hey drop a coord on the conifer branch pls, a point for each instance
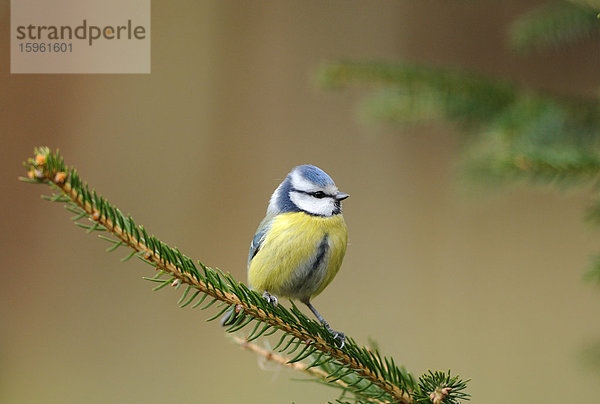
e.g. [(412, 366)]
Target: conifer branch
[(554, 24), (451, 93), (520, 131), (562, 168), (364, 373)]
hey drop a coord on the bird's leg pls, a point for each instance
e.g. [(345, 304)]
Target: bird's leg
[(272, 299), (336, 334)]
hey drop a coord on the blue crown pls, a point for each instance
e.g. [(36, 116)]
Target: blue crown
[(315, 175)]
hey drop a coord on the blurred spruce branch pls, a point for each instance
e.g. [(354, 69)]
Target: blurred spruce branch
[(361, 373), (554, 24), (554, 137)]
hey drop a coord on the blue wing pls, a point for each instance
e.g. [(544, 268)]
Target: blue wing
[(259, 236)]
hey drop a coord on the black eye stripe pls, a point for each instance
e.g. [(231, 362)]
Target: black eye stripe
[(318, 194)]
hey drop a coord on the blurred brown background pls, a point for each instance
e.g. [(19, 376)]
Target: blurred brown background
[(486, 283)]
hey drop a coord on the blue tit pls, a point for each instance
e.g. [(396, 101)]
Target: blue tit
[(299, 246)]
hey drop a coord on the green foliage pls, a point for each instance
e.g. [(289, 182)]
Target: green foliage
[(406, 91), (554, 24), (442, 385), (365, 375)]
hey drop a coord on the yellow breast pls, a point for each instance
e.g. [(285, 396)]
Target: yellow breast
[(299, 256)]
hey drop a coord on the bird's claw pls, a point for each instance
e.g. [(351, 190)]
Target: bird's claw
[(271, 299), (337, 335), (340, 337)]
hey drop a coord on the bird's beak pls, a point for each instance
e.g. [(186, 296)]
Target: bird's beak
[(340, 196)]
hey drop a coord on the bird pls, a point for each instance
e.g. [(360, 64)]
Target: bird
[(299, 246)]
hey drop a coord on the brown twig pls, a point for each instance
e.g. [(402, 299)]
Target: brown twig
[(273, 357)]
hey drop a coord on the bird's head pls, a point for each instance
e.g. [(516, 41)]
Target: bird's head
[(307, 189)]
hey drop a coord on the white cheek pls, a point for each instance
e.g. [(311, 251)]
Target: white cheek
[(316, 206)]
